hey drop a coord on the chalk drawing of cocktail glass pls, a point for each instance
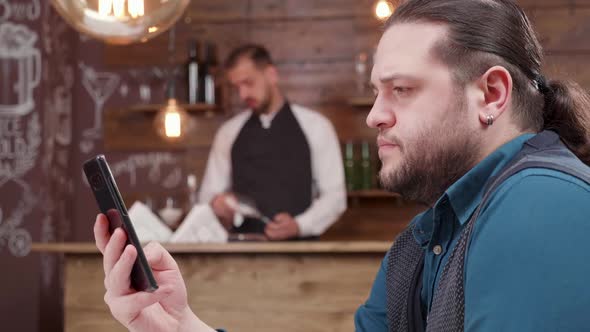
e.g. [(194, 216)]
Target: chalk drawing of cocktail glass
[(100, 86), (20, 69)]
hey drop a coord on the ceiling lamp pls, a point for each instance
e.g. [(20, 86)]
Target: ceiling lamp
[(121, 21)]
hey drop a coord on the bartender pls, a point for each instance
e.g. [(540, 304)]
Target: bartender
[(283, 157)]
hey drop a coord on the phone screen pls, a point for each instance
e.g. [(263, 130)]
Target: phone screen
[(111, 204)]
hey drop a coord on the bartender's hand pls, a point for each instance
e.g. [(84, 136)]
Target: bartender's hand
[(224, 213), (166, 309), (283, 227)]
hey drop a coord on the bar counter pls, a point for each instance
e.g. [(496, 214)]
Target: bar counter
[(240, 286)]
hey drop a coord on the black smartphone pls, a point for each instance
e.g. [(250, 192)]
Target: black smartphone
[(111, 204)]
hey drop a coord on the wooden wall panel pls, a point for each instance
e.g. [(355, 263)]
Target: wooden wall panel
[(563, 30), (569, 67), (206, 11), (297, 41), (227, 10), (318, 83), (350, 123), (310, 9), (547, 4)]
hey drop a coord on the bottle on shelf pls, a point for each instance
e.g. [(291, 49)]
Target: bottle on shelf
[(367, 173), (209, 81), (350, 166), (194, 73)]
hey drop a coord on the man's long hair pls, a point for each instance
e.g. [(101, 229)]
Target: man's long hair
[(485, 33)]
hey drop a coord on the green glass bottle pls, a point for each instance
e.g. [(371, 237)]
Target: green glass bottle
[(350, 172), (366, 167)]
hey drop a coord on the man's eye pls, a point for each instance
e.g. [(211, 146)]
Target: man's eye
[(398, 90)]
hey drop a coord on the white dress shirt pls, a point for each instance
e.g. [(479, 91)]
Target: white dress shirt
[(329, 196)]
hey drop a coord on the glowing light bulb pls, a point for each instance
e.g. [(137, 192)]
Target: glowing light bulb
[(136, 8), (119, 8), (105, 7), (172, 124), (383, 9)]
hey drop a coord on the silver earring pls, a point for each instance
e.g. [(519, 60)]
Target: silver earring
[(490, 120)]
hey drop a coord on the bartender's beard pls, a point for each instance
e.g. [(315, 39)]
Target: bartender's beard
[(434, 159), (265, 102), (264, 107)]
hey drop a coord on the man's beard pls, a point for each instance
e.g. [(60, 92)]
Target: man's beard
[(435, 159), (264, 106)]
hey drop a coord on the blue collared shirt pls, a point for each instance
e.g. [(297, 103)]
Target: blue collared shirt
[(529, 260)]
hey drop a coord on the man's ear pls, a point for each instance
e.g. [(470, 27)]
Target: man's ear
[(272, 74), (496, 88)]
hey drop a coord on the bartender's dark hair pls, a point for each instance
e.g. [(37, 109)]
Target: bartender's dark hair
[(486, 33), (257, 53)]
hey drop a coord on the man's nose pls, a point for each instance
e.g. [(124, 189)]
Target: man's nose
[(381, 115)]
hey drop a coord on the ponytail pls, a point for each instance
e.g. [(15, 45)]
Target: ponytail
[(567, 112)]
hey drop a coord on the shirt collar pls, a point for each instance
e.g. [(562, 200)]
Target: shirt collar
[(466, 194), (266, 119)]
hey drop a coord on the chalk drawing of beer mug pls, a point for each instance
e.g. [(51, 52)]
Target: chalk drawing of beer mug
[(20, 69)]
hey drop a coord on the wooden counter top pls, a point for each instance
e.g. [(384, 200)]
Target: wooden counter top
[(318, 247), (240, 286)]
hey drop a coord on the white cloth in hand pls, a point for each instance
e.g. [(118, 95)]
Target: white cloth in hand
[(200, 225)]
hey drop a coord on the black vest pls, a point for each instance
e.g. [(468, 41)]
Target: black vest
[(272, 167), (405, 265)]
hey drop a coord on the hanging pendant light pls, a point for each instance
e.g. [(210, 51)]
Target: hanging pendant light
[(172, 122), (121, 21)]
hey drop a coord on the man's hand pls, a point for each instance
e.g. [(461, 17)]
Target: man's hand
[(166, 309), (283, 227), (222, 210)]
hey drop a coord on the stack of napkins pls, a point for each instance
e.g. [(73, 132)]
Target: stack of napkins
[(147, 224), (199, 226)]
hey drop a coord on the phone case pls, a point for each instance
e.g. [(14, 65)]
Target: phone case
[(111, 204)]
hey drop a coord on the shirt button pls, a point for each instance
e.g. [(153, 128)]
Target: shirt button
[(437, 250)]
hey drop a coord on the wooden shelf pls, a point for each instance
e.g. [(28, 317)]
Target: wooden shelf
[(361, 101), (131, 128), (371, 193)]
